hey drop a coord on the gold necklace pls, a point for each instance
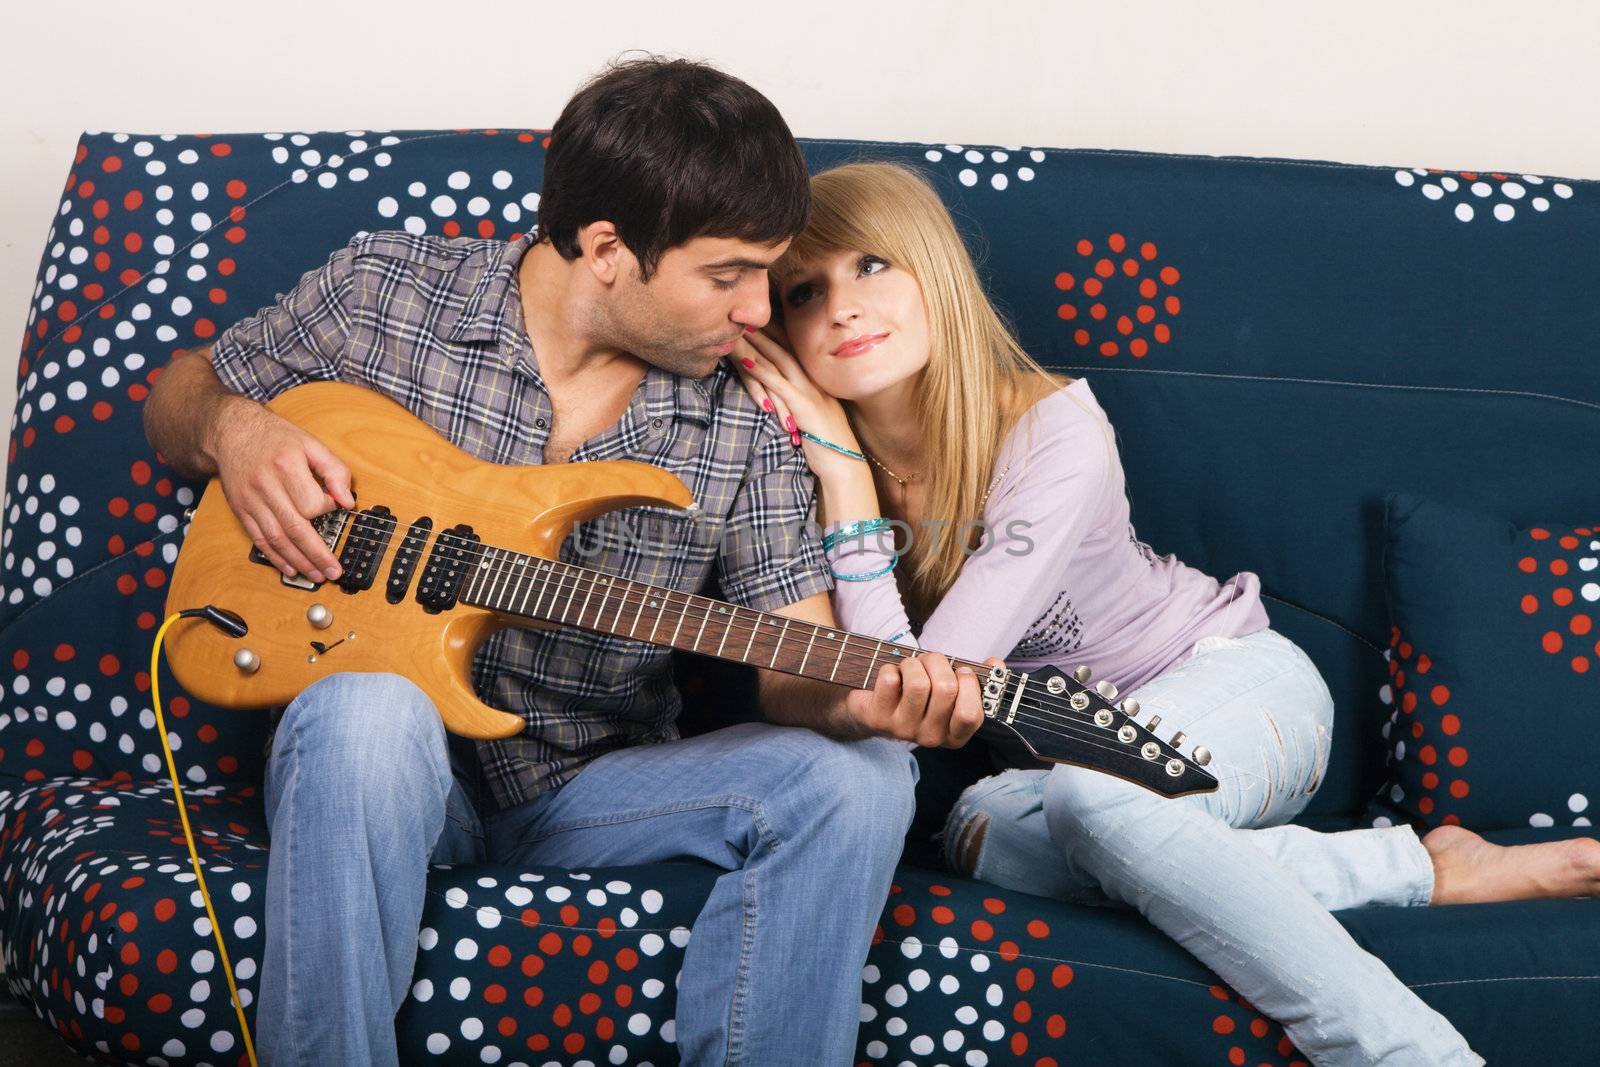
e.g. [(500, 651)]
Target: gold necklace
[(902, 482)]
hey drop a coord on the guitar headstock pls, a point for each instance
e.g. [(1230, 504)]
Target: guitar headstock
[(1063, 719)]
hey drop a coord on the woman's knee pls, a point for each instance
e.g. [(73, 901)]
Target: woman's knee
[(1010, 797), (1079, 802)]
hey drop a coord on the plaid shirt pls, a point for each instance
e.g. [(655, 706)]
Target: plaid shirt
[(436, 325)]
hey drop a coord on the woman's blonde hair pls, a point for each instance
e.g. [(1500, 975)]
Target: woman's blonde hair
[(978, 380)]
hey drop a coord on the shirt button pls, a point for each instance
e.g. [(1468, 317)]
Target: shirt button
[(655, 424), (539, 423)]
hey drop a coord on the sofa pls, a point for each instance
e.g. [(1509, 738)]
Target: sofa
[(1281, 345)]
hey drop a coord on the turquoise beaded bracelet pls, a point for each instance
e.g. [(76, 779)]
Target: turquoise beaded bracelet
[(853, 530), (879, 573), (843, 451)]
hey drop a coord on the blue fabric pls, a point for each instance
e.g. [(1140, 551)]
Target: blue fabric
[(1329, 334), (781, 810), (1493, 632)]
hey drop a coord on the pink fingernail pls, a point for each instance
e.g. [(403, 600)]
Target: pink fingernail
[(788, 423), (748, 362), (766, 402), (796, 439), (749, 329)]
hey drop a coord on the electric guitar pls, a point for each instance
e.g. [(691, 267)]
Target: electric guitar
[(430, 569)]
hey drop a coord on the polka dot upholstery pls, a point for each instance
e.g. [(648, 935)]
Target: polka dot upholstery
[(1477, 601), (1208, 298)]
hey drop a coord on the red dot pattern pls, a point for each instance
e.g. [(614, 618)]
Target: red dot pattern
[(1118, 289), (1428, 760), (1560, 564)]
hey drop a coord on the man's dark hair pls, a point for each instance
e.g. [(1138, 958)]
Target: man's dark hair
[(669, 150)]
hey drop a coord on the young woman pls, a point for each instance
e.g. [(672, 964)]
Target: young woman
[(914, 403)]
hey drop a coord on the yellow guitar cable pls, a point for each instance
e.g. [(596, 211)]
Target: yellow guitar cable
[(188, 835)]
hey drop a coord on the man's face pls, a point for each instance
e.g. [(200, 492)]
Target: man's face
[(701, 297)]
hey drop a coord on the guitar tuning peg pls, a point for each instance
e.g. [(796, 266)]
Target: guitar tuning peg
[(1155, 720), (1202, 755), (1082, 674), (1177, 740), (1130, 708), (1106, 689)]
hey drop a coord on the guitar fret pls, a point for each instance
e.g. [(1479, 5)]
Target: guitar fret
[(755, 628), (539, 584), (644, 598), (657, 624), (594, 579), (779, 643), (519, 575), (502, 595), (703, 622), (553, 580), (839, 657), (727, 628), (681, 613), (802, 668), (470, 584), (622, 602), (866, 682), (514, 579), (486, 576), (556, 593)]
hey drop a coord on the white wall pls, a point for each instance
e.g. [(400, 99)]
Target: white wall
[(1473, 84)]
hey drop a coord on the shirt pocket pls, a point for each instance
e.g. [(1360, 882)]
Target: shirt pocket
[(653, 545)]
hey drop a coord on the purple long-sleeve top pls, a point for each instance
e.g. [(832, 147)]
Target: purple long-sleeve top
[(1066, 581)]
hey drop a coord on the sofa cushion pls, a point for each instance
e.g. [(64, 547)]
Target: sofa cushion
[(1494, 669), (106, 936)]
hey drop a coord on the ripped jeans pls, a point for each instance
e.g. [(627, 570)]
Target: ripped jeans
[(1222, 873)]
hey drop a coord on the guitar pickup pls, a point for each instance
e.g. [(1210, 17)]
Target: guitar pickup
[(370, 532), (405, 559), (447, 565)]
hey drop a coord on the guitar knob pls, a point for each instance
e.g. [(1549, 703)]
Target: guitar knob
[(247, 661), (1155, 720), (1202, 756), (1177, 740), (319, 616), (1130, 708), (1082, 674), (1106, 689)]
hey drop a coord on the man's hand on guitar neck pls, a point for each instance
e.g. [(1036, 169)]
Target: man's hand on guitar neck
[(276, 477), (923, 700)]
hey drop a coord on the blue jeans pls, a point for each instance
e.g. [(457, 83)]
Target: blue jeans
[(361, 795), (1221, 873)]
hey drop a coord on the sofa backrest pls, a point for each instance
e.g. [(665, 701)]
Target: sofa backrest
[(1278, 342)]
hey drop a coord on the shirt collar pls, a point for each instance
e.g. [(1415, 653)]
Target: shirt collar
[(487, 316), (484, 315)]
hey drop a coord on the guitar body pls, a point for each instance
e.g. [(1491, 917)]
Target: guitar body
[(443, 549), (399, 461)]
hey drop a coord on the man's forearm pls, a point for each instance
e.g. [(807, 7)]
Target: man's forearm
[(791, 701), (183, 410)]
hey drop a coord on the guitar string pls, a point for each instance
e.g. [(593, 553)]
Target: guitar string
[(504, 567), (372, 530), (498, 573), (734, 623)]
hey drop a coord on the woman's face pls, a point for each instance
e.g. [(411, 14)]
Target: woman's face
[(857, 323)]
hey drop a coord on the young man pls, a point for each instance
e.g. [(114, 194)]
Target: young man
[(668, 190)]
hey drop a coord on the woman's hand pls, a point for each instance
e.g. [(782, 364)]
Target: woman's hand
[(777, 382)]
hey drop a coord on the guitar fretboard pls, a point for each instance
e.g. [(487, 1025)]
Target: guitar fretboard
[(512, 583)]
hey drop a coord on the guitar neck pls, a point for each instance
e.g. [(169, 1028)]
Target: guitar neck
[(532, 587)]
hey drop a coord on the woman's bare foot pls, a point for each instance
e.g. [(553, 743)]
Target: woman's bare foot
[(1469, 870)]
